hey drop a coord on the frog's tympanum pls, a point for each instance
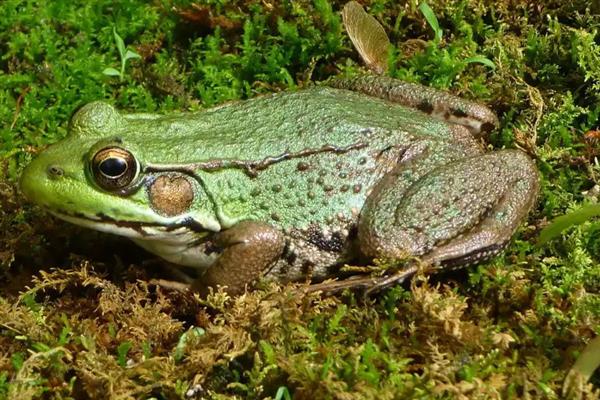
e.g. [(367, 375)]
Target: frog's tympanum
[(293, 184)]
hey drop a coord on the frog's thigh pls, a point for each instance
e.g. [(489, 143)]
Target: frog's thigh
[(457, 214), (478, 119), (249, 249)]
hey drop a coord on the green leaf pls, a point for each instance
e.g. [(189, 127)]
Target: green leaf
[(566, 221), (481, 60), (432, 20), (111, 72), (119, 42), (283, 394), (40, 347), (129, 54), (268, 351)]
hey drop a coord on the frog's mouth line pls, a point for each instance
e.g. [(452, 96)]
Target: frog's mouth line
[(132, 229)]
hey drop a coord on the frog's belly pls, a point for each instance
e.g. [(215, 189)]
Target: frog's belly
[(184, 250), (313, 253)]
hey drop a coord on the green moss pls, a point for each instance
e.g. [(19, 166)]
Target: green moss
[(510, 328)]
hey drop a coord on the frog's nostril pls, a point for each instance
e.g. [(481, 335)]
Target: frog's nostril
[(55, 172)]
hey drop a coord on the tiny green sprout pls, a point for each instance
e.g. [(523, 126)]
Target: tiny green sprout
[(283, 393), (147, 349), (268, 352), (438, 33), (124, 53), (481, 60), (65, 332), (190, 334), (122, 351), (17, 359)]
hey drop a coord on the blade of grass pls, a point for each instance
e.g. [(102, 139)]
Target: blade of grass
[(481, 60), (431, 20), (583, 369), (566, 221)]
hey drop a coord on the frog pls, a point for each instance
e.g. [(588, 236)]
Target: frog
[(291, 186)]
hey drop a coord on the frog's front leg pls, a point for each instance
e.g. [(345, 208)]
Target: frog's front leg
[(457, 214), (249, 248)]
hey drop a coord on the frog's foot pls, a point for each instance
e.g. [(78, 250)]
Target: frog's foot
[(249, 249), (364, 284), (171, 285), (458, 214), (478, 119)]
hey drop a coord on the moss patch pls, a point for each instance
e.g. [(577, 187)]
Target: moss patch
[(91, 327)]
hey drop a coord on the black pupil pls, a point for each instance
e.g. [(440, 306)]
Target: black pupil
[(113, 167)]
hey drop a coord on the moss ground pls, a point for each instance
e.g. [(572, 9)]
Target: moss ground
[(91, 327)]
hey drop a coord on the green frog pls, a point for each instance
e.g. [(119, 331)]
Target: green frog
[(294, 184)]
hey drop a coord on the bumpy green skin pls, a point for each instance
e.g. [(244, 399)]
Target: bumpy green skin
[(325, 175)]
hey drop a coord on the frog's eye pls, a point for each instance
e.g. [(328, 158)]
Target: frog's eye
[(114, 168)]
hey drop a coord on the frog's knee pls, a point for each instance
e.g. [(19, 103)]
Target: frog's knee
[(523, 171)]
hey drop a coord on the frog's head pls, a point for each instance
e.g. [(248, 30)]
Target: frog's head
[(97, 177)]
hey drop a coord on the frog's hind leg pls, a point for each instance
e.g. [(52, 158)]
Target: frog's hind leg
[(372, 43), (458, 214), (478, 119)]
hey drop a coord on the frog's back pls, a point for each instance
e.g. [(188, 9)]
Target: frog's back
[(292, 159), (302, 159), (287, 122)]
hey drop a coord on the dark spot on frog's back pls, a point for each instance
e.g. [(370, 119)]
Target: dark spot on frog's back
[(457, 112), (302, 166), (426, 107), (333, 243)]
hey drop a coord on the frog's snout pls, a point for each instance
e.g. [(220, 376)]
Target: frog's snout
[(37, 177), (27, 183)]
